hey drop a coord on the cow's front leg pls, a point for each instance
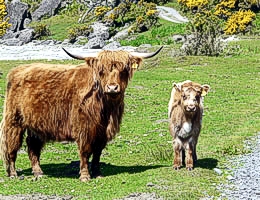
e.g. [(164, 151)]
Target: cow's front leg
[(84, 155), (95, 165), (189, 161), (177, 154)]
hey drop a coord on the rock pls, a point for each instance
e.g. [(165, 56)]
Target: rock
[(95, 43), (26, 23), (13, 42), (229, 177), (120, 35), (178, 38), (100, 30), (17, 12), (26, 35), (112, 46), (10, 34), (171, 15), (47, 8), (66, 42), (218, 171)]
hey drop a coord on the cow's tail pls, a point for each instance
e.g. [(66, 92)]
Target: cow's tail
[(2, 142), (3, 148)]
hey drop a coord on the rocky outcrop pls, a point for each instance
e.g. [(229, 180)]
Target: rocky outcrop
[(17, 12), (47, 8)]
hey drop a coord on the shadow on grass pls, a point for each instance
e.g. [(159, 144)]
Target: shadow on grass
[(72, 169), (207, 163)]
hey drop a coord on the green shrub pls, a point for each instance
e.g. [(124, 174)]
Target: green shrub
[(73, 9), (79, 30), (205, 31), (41, 30)]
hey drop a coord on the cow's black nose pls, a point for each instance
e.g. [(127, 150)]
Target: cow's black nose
[(113, 88)]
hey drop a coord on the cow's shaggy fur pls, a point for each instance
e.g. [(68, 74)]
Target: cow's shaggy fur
[(185, 114), (60, 102)]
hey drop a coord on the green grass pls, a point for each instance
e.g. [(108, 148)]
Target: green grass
[(59, 26), (142, 152), (157, 35)]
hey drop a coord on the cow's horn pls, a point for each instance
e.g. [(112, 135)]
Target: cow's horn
[(80, 57), (146, 55)]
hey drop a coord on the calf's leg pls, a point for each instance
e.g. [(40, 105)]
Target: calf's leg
[(177, 154), (189, 160)]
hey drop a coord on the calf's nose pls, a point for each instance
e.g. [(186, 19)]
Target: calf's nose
[(192, 108)]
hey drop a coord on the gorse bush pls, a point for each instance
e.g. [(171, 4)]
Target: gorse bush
[(79, 30), (3, 21), (236, 14), (239, 22), (140, 17), (41, 30), (204, 38), (73, 8)]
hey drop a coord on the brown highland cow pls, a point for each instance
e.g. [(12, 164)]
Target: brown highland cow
[(52, 102), (185, 113)]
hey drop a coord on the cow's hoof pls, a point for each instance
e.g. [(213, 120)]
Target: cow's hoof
[(189, 168)]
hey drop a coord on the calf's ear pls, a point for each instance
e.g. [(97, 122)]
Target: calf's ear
[(177, 86), (205, 90)]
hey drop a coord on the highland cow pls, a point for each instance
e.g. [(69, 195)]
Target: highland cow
[(52, 102)]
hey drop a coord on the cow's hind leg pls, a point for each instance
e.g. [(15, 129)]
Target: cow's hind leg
[(13, 142), (35, 145)]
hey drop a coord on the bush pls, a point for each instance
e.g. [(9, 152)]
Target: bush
[(79, 30), (3, 21), (41, 30), (204, 38), (239, 22)]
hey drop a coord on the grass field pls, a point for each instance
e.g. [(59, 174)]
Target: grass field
[(140, 157)]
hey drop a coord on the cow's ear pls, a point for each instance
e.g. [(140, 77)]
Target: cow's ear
[(136, 62), (90, 61), (177, 86), (205, 90)]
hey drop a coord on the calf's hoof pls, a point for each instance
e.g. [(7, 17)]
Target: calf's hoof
[(38, 175), (189, 168), (12, 175)]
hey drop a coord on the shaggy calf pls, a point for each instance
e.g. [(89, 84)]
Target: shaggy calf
[(185, 114), (83, 103)]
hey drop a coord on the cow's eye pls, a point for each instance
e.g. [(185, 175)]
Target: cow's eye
[(123, 74), (184, 97)]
